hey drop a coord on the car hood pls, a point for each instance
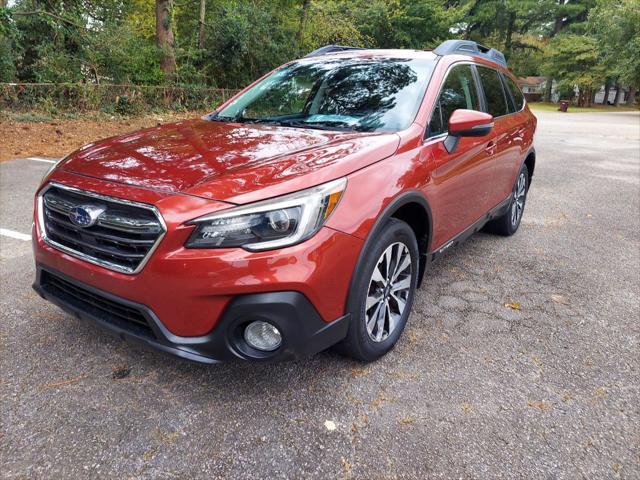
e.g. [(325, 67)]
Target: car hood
[(236, 163)]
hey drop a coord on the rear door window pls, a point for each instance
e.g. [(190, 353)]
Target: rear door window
[(493, 92), (516, 94), (458, 91)]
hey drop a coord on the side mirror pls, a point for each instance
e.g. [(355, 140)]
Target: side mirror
[(467, 123)]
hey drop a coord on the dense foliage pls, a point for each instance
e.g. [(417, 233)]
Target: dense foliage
[(228, 43)]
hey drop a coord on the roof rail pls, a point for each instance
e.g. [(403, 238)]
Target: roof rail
[(330, 49), (468, 47)]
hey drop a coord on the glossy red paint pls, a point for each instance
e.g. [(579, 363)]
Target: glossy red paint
[(226, 161), (463, 120), (192, 168), (188, 289)]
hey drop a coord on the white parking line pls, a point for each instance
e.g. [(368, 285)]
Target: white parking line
[(16, 235), (44, 160)]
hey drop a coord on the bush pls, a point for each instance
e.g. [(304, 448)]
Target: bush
[(121, 99)]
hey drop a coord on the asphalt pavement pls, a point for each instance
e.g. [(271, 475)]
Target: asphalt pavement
[(521, 358)]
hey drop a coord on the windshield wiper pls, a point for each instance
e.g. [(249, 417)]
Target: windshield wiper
[(336, 125), (240, 119), (326, 125)]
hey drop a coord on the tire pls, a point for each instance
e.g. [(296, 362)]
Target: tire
[(395, 241), (508, 223)]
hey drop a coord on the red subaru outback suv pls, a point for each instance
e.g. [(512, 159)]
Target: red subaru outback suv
[(299, 215)]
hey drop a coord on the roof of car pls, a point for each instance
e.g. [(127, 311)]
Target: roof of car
[(375, 52), (448, 47)]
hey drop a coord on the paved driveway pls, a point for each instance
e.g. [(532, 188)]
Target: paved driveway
[(474, 389)]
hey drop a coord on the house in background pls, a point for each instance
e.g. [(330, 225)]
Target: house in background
[(533, 88), (599, 96)]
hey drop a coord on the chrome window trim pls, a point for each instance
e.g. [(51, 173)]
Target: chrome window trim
[(88, 258)]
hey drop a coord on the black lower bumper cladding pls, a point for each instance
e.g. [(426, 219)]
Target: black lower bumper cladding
[(303, 331)]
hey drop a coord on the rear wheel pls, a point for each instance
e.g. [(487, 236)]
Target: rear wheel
[(508, 223), (382, 295)]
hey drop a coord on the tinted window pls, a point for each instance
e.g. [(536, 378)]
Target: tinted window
[(343, 93), (493, 92), (511, 106), (516, 94), (458, 91)]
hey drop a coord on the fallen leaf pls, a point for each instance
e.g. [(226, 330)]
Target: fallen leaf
[(359, 371), (513, 306), (560, 299), (365, 420), (467, 408), (346, 466), (539, 404), (600, 392), (406, 420), (120, 372), (62, 383), (149, 454), (331, 426)]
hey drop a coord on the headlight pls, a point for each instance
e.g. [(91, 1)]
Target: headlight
[(269, 224)]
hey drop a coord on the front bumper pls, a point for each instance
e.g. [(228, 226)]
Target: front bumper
[(304, 332)]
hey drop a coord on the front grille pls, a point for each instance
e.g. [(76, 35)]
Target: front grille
[(122, 237), (97, 305)]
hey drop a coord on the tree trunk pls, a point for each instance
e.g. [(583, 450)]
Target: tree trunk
[(632, 96), (203, 7), (165, 39), (616, 99), (547, 89), (607, 88), (557, 28), (509, 35), (303, 20), (3, 3)]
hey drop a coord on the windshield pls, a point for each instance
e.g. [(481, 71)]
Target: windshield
[(337, 94)]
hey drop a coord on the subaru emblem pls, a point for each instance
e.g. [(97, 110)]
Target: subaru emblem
[(85, 215)]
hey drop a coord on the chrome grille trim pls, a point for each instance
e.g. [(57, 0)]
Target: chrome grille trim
[(107, 220)]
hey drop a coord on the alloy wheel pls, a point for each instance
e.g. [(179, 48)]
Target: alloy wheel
[(389, 290), (519, 193)]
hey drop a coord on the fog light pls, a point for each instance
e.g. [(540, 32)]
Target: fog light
[(262, 336)]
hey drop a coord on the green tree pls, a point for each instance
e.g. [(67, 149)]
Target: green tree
[(616, 26), (574, 61), (10, 47)]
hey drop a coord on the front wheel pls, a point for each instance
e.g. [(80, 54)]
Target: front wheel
[(382, 294), (509, 222)]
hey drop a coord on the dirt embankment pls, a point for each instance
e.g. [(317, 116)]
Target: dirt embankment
[(57, 137)]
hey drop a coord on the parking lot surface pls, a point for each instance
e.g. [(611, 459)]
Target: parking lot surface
[(520, 360)]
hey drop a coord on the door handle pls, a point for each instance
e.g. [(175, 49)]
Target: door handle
[(491, 147)]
